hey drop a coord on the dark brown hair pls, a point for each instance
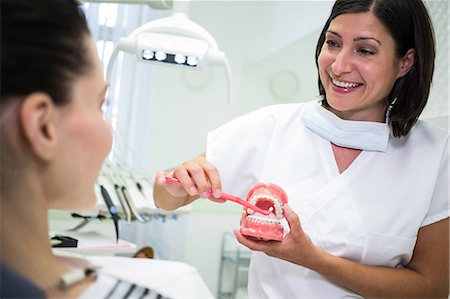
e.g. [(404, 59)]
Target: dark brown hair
[(410, 26), (42, 47)]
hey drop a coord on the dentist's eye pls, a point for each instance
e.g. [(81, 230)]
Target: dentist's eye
[(365, 52), (331, 44)]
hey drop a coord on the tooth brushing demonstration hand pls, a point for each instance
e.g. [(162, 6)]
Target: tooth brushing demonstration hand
[(197, 178), (191, 180), (230, 197)]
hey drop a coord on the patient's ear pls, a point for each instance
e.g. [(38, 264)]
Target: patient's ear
[(38, 121)]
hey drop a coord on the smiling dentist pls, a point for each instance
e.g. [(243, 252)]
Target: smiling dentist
[(367, 181)]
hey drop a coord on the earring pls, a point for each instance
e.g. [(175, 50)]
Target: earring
[(390, 106)]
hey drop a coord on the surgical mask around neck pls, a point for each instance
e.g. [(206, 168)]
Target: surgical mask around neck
[(363, 135)]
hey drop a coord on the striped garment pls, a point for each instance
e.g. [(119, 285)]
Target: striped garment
[(110, 287)]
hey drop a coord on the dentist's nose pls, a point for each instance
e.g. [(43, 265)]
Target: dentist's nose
[(342, 63)]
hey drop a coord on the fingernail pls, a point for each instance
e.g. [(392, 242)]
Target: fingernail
[(192, 191), (205, 194), (217, 193)]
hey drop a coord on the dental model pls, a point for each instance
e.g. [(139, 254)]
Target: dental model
[(268, 197), (264, 211)]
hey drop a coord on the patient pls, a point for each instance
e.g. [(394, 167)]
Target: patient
[(53, 143)]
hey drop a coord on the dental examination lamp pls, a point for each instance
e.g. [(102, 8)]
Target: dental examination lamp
[(173, 41)]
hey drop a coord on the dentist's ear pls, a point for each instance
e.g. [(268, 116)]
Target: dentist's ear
[(37, 119), (407, 62)]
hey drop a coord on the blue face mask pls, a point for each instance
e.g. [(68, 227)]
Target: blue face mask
[(363, 135)]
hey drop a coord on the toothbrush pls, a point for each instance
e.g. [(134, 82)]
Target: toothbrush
[(232, 198)]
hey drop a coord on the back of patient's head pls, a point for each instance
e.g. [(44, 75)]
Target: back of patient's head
[(42, 48)]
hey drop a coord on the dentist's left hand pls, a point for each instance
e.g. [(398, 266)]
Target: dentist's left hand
[(296, 247)]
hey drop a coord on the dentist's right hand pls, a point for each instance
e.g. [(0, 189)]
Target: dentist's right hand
[(197, 177)]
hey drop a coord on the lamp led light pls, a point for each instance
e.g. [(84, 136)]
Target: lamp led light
[(180, 58), (191, 60), (148, 54), (161, 56), (175, 41)]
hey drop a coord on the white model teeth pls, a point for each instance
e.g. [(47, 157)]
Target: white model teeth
[(345, 84), (278, 208), (263, 219)]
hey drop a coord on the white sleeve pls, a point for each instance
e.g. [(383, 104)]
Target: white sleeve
[(439, 206), (238, 149)]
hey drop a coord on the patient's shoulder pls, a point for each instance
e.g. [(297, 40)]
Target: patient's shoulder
[(14, 285)]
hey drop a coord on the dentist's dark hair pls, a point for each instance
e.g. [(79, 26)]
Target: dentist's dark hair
[(43, 48), (410, 25)]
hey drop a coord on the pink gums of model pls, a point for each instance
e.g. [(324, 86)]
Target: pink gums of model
[(265, 196)]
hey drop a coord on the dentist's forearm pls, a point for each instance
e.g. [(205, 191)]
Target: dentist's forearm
[(375, 282), (426, 276)]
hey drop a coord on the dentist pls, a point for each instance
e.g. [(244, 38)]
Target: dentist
[(367, 181)]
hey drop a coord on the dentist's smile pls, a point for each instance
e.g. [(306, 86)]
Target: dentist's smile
[(343, 86)]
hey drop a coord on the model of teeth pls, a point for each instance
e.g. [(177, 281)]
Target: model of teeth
[(268, 197)]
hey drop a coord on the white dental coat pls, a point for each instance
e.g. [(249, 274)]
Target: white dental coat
[(370, 213)]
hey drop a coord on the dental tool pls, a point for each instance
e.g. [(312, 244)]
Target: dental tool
[(124, 203), (232, 198), (124, 196), (112, 210), (110, 174), (131, 205)]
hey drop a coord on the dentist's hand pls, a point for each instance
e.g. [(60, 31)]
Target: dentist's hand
[(196, 178), (296, 247)]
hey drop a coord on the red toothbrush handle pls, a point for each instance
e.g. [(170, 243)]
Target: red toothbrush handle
[(244, 203), (230, 197)]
